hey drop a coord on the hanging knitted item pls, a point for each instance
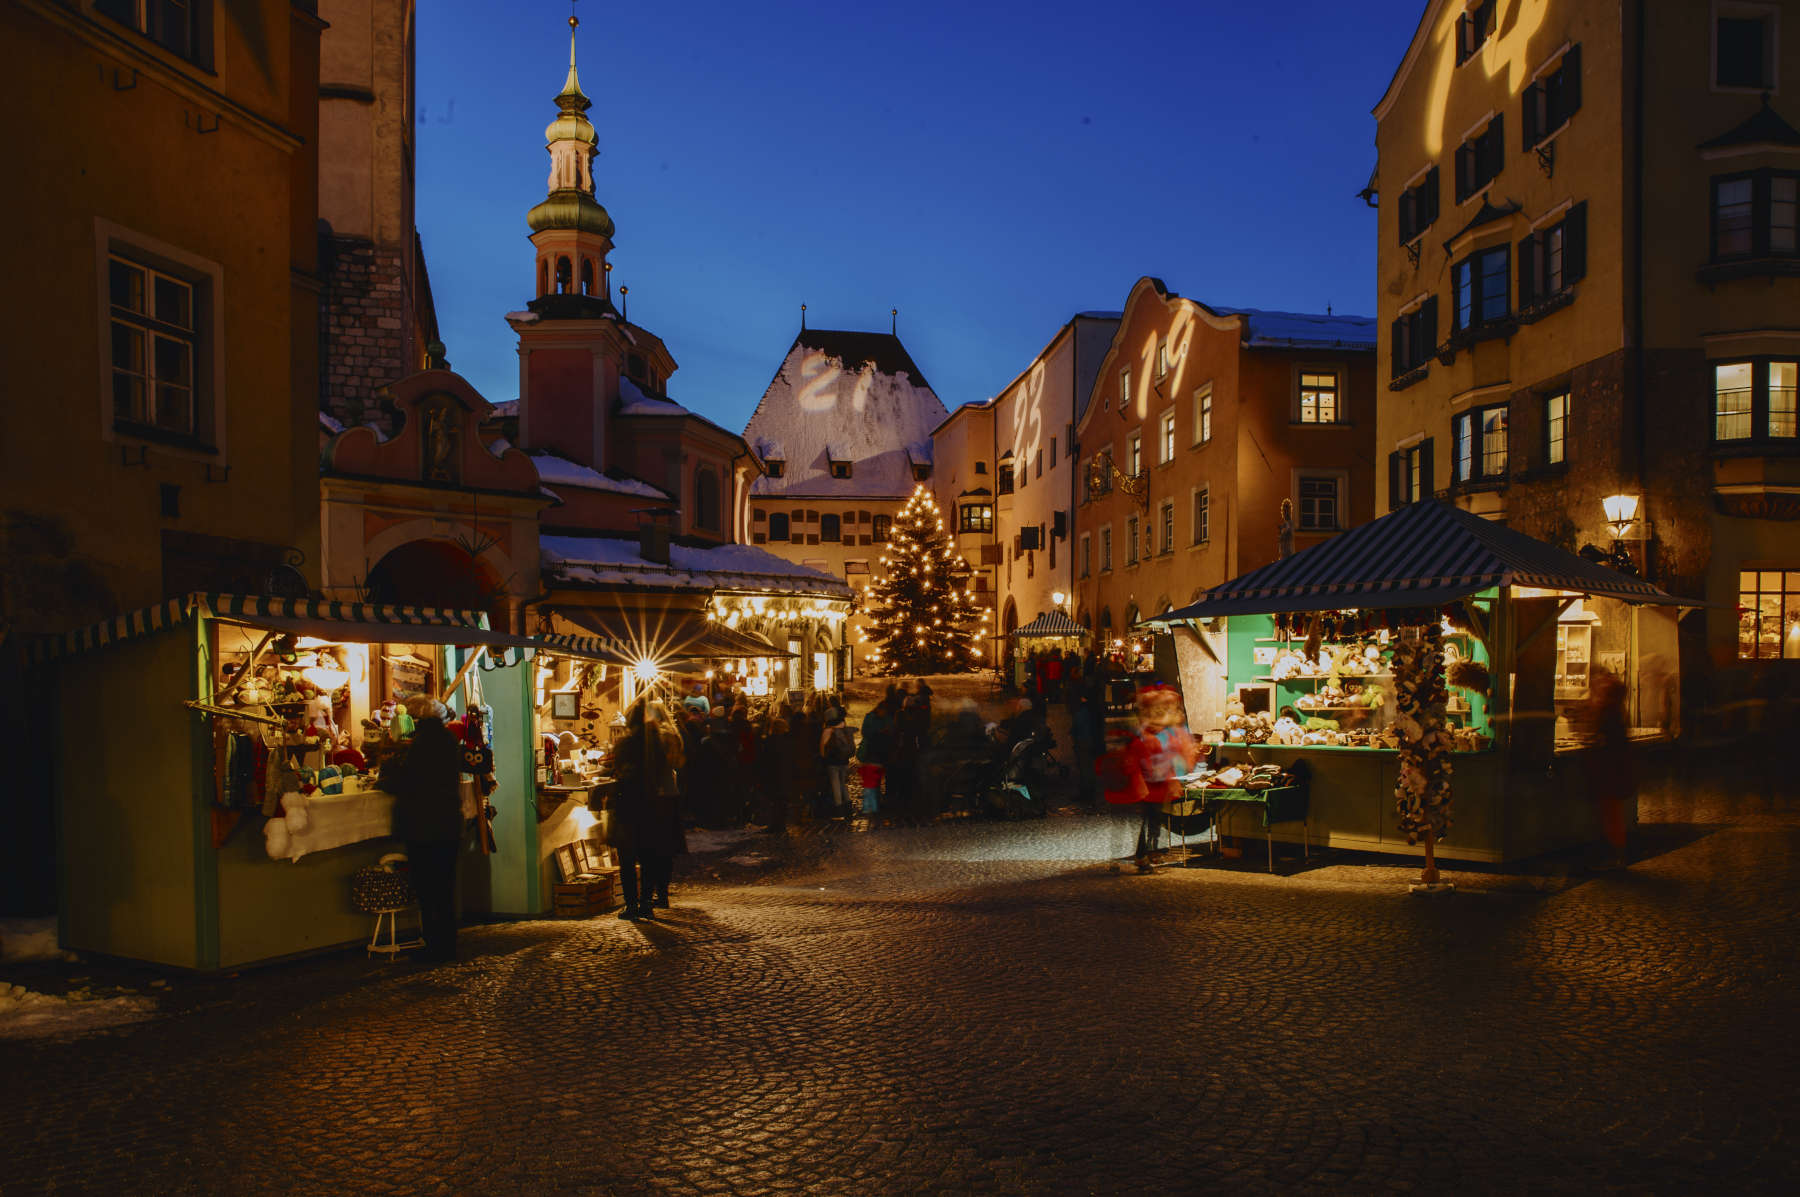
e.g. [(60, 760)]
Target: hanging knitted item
[(1422, 792)]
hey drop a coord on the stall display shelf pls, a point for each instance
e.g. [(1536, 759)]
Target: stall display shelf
[(1323, 677)]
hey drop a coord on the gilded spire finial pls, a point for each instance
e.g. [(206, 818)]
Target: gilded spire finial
[(571, 89)]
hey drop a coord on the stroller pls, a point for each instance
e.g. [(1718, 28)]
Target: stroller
[(999, 786)]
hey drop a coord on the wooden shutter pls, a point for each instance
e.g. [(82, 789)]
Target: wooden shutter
[(1409, 220), (1428, 326), (1528, 270), (1429, 199), (1427, 487), (1401, 359), (1575, 243), (1394, 474), (1495, 140), (1465, 169), (1529, 103), (1571, 88)]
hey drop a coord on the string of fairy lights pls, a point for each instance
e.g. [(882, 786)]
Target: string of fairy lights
[(923, 614)]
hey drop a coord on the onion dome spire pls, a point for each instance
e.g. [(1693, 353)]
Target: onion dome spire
[(572, 143)]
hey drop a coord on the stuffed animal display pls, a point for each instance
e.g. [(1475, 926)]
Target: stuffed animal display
[(1422, 792)]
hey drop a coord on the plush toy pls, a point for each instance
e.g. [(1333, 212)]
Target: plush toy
[(348, 758), (275, 838), (295, 813)]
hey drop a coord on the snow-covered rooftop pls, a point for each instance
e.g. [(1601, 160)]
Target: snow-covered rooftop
[(505, 409), (559, 471), (633, 402), (844, 396), (1303, 330), (615, 561)]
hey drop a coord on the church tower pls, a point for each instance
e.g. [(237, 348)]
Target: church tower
[(571, 338)]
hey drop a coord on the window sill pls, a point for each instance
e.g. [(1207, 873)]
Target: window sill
[(1763, 267), (1479, 193), (1412, 377), (1537, 309), (1786, 446), (1317, 531), (1463, 338), (1320, 424), (162, 436), (1201, 444), (1472, 486), (1549, 137), (1201, 544)]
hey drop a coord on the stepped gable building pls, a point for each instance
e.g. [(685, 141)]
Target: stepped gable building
[(595, 504), (844, 433), (1589, 281), (1203, 420), (1004, 471)]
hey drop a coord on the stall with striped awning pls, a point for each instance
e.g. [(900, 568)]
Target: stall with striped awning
[(1051, 625)]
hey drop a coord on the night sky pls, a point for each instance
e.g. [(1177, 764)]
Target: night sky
[(989, 169)]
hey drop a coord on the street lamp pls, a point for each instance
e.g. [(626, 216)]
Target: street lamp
[(1058, 597), (1621, 512)]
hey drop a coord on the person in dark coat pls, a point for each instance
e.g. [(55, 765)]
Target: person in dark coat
[(428, 817), (775, 775), (640, 764)]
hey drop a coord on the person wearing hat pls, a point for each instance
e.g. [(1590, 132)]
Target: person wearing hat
[(837, 747), (428, 817)]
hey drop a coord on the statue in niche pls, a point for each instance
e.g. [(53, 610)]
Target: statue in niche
[(441, 437)]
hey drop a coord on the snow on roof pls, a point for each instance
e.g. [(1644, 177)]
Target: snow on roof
[(919, 453), (559, 471), (1303, 330), (505, 409), (770, 450), (844, 396), (615, 561), (633, 402)]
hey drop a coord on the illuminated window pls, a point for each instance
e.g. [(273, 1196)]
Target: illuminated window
[(1136, 454), (1168, 437), (1480, 285), (182, 27), (1473, 29), (976, 517), (157, 354), (1167, 521), (1319, 398), (1409, 475), (1769, 614), (1106, 548), (1754, 400), (1480, 159), (1753, 215), (1162, 356), (778, 526), (1553, 258), (1124, 390), (1419, 206), (1553, 98), (1203, 414), (1744, 48), (884, 527), (1556, 428), (1319, 503), (1131, 541), (1415, 337), (1481, 444), (1202, 516)]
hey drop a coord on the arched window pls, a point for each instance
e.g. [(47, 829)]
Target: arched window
[(778, 526), (1087, 620), (543, 277), (563, 280), (1106, 620), (830, 528), (587, 276), (706, 499)]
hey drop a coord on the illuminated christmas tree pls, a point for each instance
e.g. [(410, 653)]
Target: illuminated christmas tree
[(922, 608)]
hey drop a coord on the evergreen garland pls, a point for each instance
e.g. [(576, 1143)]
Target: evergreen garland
[(922, 609)]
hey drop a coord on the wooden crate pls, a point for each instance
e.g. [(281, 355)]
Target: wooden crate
[(590, 879)]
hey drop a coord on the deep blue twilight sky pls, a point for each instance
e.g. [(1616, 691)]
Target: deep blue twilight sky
[(989, 167)]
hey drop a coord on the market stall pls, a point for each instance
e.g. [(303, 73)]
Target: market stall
[(1425, 654), (218, 757), (1050, 631)]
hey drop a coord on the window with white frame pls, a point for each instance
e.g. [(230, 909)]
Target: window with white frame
[(1409, 474), (1754, 400), (1162, 356), (1414, 337), (1552, 98), (1202, 516), (1203, 407), (1481, 158), (182, 27), (1769, 614), (158, 355), (1553, 257), (1124, 390), (1474, 28), (1556, 428), (1319, 397), (1168, 437), (1167, 520), (1320, 502), (1754, 214), (1480, 286), (1480, 437), (1744, 39), (1136, 453)]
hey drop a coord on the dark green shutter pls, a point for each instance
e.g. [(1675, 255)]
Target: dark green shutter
[(1528, 271), (1575, 243), (1427, 487), (1394, 475), (1428, 338), (1571, 87), (1528, 116)]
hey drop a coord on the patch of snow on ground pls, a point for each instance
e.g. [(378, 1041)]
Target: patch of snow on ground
[(30, 939), (28, 1015)]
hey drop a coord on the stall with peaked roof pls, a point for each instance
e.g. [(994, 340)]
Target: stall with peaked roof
[(210, 802), (1303, 650)]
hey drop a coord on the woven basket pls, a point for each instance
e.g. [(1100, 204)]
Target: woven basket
[(377, 888)]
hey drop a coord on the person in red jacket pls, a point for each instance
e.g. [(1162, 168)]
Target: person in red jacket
[(1143, 762)]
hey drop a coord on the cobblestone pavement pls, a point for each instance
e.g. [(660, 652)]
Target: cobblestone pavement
[(988, 1009)]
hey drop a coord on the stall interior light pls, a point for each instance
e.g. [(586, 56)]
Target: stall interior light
[(645, 670), (1058, 597)]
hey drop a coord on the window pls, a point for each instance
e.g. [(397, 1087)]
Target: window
[(1553, 258), (1419, 206), (777, 467), (1415, 337), (1131, 541), (1136, 452), (1480, 159), (831, 529), (1556, 429), (1753, 215), (1168, 437), (1053, 453), (1124, 390), (1769, 614), (778, 526), (1473, 29), (1409, 475), (921, 471), (706, 499), (1754, 400), (840, 469), (182, 27), (1037, 464), (1003, 478), (1162, 356), (1318, 503), (1479, 284), (1087, 555), (1106, 547), (884, 528), (1744, 48), (1553, 98), (1481, 444), (1203, 414), (981, 467), (156, 351), (1167, 520), (1099, 474), (1318, 397), (1202, 516), (976, 517)]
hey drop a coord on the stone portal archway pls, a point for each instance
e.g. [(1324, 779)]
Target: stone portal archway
[(438, 573)]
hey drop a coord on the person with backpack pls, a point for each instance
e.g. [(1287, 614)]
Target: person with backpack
[(837, 747), (875, 751)]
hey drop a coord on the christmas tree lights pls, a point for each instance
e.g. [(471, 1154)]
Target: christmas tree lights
[(922, 609)]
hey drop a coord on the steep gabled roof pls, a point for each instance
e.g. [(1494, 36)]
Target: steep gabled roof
[(881, 350)]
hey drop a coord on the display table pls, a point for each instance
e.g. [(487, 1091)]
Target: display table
[(319, 821), (1278, 804)]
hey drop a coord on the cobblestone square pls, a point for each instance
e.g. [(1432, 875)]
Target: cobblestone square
[(986, 1008)]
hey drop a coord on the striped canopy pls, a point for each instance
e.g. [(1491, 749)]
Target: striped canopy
[(1424, 554), (1052, 624)]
